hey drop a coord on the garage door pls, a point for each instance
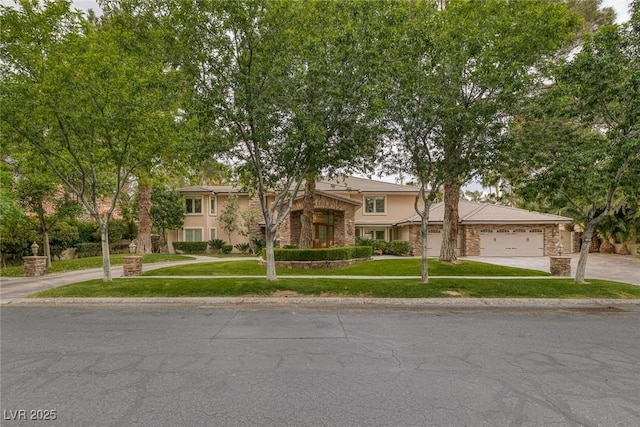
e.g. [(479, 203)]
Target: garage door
[(434, 243), (512, 242)]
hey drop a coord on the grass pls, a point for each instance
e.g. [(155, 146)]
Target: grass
[(91, 262), (375, 288), (385, 267)]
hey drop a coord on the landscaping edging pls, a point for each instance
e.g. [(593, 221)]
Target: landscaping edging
[(318, 265)]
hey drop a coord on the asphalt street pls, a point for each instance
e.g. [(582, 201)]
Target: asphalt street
[(336, 366)]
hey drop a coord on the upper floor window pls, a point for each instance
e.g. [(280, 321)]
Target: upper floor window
[(193, 205), (374, 204), (212, 205)]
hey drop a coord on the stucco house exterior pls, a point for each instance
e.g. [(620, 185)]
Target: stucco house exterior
[(350, 207)]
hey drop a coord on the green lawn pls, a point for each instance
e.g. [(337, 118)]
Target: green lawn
[(377, 288), (91, 262), (385, 267)]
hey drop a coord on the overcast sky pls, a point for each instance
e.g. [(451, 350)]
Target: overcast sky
[(620, 6)]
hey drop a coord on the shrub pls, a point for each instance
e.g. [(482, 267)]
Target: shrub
[(226, 249), (242, 247), (190, 247), (88, 249), (364, 241), (290, 247), (258, 245), (216, 244), (328, 254), (399, 247), (379, 247), (61, 237)]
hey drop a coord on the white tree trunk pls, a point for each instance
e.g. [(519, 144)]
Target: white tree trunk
[(106, 259), (423, 234), (270, 236)]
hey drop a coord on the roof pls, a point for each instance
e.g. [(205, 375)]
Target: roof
[(210, 189), (336, 197), (486, 213), (342, 184), (361, 185)]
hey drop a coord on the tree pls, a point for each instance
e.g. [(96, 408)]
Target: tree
[(41, 195), (579, 139), (229, 216), (93, 120), (413, 147), (479, 60), (167, 211), (336, 106)]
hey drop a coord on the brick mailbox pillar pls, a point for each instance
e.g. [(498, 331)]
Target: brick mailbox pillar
[(132, 265), (34, 265), (560, 265)]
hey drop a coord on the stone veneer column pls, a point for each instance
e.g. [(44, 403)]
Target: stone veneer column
[(560, 265), (34, 265), (132, 266)]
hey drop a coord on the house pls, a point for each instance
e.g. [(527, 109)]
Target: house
[(351, 207)]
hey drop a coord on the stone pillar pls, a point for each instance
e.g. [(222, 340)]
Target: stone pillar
[(34, 265), (560, 265), (132, 265)]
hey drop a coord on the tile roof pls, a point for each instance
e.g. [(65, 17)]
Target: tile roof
[(362, 185), (486, 213)]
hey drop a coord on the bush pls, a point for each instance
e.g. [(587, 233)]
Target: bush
[(88, 249), (190, 247), (399, 247), (226, 249), (328, 254), (216, 245), (290, 247), (242, 247), (379, 247), (364, 241), (61, 237), (258, 245)]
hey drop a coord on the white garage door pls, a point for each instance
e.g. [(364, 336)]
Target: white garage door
[(512, 242), (434, 243)]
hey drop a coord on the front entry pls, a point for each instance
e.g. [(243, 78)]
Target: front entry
[(323, 222)]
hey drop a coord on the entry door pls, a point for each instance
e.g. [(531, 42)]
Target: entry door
[(322, 236)]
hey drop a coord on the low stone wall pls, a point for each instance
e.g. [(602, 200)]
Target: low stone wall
[(318, 265), (35, 266), (132, 266)]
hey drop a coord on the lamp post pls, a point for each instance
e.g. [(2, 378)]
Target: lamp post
[(560, 248), (132, 248), (34, 249)]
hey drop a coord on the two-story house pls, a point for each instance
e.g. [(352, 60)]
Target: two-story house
[(350, 207)]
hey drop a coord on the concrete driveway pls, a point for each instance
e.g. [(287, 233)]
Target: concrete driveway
[(620, 268)]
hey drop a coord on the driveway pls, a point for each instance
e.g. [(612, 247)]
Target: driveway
[(620, 268)]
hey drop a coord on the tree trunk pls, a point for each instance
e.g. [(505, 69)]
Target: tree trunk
[(106, 259), (424, 235), (451, 221), (270, 237), (45, 236), (308, 203), (584, 252), (144, 245)]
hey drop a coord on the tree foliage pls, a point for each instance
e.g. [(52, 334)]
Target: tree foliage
[(579, 141), (93, 120)]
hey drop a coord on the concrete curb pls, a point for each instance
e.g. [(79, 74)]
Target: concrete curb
[(540, 303)]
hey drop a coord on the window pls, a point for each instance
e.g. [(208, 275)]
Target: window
[(193, 205), (212, 205), (212, 234), (193, 235), (374, 204)]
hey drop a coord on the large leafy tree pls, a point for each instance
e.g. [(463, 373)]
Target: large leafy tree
[(93, 119), (270, 95), (479, 60), (336, 105), (579, 140)]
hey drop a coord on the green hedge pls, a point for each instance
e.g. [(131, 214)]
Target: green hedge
[(91, 249), (399, 248), (190, 247), (328, 254)]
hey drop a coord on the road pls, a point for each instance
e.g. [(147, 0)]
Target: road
[(336, 366)]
